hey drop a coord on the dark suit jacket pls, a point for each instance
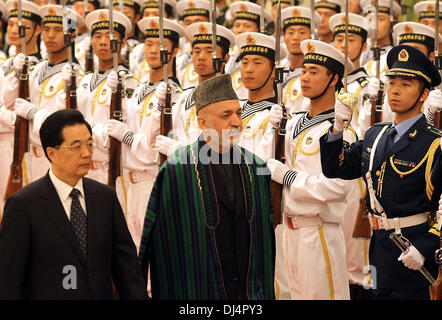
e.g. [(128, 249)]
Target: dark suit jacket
[(39, 249)]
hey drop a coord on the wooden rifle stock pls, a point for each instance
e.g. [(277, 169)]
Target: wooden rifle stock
[(276, 188), (437, 122), (89, 60), (436, 288), (166, 121), (362, 227), (21, 133), (376, 108), (115, 145), (71, 93)]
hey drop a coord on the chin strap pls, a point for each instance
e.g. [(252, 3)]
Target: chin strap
[(328, 84), (265, 81)]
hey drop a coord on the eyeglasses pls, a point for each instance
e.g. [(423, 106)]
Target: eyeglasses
[(76, 147)]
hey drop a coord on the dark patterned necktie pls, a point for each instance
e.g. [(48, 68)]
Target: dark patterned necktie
[(390, 139), (79, 221)]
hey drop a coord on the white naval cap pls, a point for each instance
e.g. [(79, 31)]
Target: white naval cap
[(249, 11), (193, 8), (150, 27), (254, 43), (28, 8), (415, 32), (156, 4), (99, 20), (324, 54), (356, 24), (53, 13), (335, 5), (297, 15), (427, 9), (3, 10), (383, 6), (96, 3), (201, 32)]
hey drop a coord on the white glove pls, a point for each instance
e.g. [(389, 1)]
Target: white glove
[(279, 171), (19, 62), (166, 145), (412, 258), (343, 110), (66, 73), (373, 88), (434, 100), (112, 80), (25, 109), (275, 115), (160, 93), (117, 129), (85, 44)]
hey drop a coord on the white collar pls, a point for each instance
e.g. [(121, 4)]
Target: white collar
[(62, 188)]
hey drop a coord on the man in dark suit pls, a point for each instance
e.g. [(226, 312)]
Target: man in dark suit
[(64, 236)]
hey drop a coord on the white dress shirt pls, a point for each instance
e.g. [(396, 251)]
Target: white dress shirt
[(64, 190)]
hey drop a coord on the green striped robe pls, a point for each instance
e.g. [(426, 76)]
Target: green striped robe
[(178, 240)]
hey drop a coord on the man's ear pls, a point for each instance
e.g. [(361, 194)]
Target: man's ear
[(202, 122), (424, 95), (51, 153)]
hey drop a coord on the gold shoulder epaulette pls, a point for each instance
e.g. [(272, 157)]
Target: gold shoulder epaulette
[(434, 130)]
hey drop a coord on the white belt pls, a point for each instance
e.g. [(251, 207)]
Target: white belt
[(299, 222), (140, 176), (383, 223), (103, 164)]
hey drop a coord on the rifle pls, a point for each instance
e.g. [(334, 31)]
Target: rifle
[(437, 57), (216, 61), (21, 130), (280, 131), (404, 244), (437, 286), (89, 54), (166, 110), (71, 89), (376, 109), (362, 227), (115, 108), (312, 21)]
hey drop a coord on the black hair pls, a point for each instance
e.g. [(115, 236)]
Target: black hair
[(52, 128)]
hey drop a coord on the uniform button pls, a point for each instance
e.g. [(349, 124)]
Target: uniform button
[(235, 279), (378, 173)]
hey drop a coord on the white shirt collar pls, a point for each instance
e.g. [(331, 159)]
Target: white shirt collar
[(62, 188)]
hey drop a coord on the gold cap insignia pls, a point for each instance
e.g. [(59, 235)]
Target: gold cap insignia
[(191, 5), (103, 16), (403, 56), (430, 7), (250, 40), (52, 11), (408, 29), (202, 29), (296, 12), (153, 25), (243, 8), (310, 48)]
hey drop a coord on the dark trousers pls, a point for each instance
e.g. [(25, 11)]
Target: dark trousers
[(411, 294), (358, 292)]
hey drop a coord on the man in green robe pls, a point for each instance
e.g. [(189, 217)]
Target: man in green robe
[(208, 229)]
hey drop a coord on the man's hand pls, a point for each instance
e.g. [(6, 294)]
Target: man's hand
[(373, 88), (343, 110), (412, 258), (166, 145), (275, 115), (19, 62), (25, 109)]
